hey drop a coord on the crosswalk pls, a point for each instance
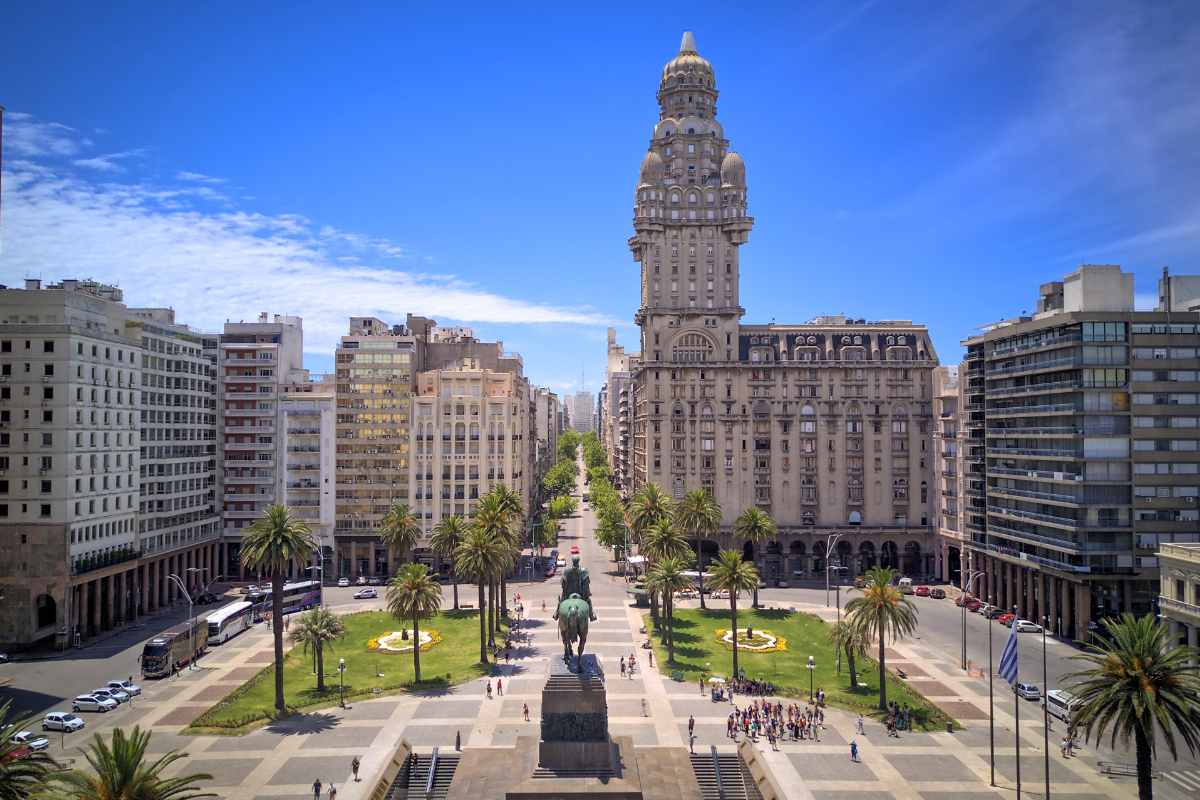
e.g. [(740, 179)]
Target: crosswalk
[(1187, 779)]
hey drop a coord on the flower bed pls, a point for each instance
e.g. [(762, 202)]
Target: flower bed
[(761, 642), (395, 642)]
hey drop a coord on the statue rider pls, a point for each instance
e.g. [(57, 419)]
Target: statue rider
[(575, 580)]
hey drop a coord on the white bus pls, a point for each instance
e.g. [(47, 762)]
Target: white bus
[(906, 586), (228, 621), (1061, 704)]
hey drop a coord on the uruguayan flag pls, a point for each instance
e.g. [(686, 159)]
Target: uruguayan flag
[(1008, 659)]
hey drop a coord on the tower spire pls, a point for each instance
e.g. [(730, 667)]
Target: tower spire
[(688, 45)]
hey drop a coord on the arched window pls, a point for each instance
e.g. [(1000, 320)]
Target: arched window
[(692, 347), (674, 197), (693, 197)]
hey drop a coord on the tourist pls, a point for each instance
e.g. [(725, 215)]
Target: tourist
[(650, 655), (700, 681), (500, 686), (354, 765), (622, 666), (645, 711), (853, 751), (1064, 747), (317, 789), (332, 792), (692, 743), (691, 723), (525, 710), (861, 731), (489, 689)]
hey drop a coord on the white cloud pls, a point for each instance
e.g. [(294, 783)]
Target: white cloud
[(25, 136), (213, 263), (197, 177), (109, 162)]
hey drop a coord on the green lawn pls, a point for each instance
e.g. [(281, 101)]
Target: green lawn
[(453, 660), (698, 652)]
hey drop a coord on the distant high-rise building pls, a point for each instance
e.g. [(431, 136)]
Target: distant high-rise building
[(582, 411)]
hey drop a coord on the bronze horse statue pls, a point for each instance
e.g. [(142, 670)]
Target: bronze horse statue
[(572, 625)]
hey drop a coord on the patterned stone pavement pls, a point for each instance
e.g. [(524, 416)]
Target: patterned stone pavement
[(281, 760)]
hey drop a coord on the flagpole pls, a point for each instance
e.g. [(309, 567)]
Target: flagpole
[(1017, 713), (991, 706), (1045, 706)]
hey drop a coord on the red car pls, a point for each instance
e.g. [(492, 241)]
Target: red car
[(1006, 619), (574, 549), (922, 591), (962, 599), (973, 605)]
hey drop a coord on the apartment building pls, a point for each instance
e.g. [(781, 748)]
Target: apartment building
[(254, 362), (179, 522), (1179, 592), (547, 419), (614, 410), (1082, 426), (309, 411), (948, 474), (826, 425)]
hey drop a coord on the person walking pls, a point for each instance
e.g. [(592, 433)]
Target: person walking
[(317, 789), (354, 765), (650, 655), (622, 666), (489, 689), (859, 726), (332, 792), (692, 743), (500, 686), (700, 681), (525, 709), (854, 751), (691, 724)]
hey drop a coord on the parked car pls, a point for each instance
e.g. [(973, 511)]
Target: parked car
[(113, 694), (343, 582), (1006, 618), (128, 687), (61, 721), (994, 611), (3, 658), (374, 580), (362, 581), (88, 702), (560, 563), (253, 589), (937, 594), (1025, 626), (574, 549), (984, 609), (31, 740), (962, 599), (921, 591), (1029, 691), (973, 605), (859, 583), (366, 594)]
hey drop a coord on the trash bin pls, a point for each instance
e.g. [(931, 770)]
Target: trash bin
[(949, 727)]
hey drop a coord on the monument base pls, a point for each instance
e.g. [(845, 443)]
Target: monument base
[(618, 778)]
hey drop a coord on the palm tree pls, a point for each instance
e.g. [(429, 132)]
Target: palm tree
[(666, 578), (447, 536), (269, 546), (120, 772), (649, 505), (882, 612), (698, 515), (22, 771), (510, 503), (492, 517), (476, 558), (850, 639), (414, 595), (400, 531), (1142, 685), (734, 574), (317, 629), (662, 539), (755, 526)]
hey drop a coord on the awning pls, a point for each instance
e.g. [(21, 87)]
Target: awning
[(636, 559)]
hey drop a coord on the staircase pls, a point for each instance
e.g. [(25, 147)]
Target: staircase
[(723, 777), (425, 777)]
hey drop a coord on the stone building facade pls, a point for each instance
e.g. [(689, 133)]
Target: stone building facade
[(826, 425), (1179, 592)]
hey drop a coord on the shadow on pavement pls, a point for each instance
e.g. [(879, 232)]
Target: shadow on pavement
[(27, 703), (304, 724)]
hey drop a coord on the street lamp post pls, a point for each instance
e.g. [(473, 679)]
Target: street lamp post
[(830, 542), (812, 665), (342, 682), (972, 576)]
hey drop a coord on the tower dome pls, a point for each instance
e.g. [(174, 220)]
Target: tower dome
[(652, 168), (733, 170), (688, 67)]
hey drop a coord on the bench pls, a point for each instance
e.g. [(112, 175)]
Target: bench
[(1120, 769)]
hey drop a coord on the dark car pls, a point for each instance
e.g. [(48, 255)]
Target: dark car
[(994, 612), (937, 593)]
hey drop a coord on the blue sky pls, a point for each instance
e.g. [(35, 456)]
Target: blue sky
[(921, 161)]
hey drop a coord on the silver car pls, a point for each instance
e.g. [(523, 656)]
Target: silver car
[(89, 702), (112, 694), (31, 740), (61, 721), (1029, 691), (129, 688)]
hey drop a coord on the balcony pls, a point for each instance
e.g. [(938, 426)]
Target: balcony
[(1066, 545), (1035, 516), (1057, 363), (234, 395), (1032, 452), (249, 446), (1036, 473), (1056, 430), (1180, 609), (247, 479), (304, 431), (250, 412), (1056, 496), (1037, 388), (1013, 553), (1049, 341)]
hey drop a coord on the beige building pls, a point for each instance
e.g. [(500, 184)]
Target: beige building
[(81, 379), (309, 411), (255, 362), (1084, 419), (826, 425), (1179, 595), (614, 413), (948, 473)]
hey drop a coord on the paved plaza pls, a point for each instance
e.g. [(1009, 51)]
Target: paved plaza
[(282, 759)]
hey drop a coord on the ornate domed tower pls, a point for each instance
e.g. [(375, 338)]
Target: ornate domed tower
[(689, 220)]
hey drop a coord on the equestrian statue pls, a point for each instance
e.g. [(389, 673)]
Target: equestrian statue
[(574, 611)]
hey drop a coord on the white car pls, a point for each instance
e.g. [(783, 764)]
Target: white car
[(1029, 691), (128, 687), (61, 721), (88, 702), (112, 694), (1025, 626), (343, 583), (562, 562), (366, 594), (362, 580), (31, 740)]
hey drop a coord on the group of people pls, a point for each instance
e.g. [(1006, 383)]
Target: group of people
[(752, 687), (628, 667), (317, 786), (776, 722), (898, 719)]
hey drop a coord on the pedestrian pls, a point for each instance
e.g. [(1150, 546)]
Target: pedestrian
[(317, 789), (645, 711), (692, 743), (691, 724), (489, 689), (507, 653), (1063, 746), (500, 686), (332, 792), (622, 666), (854, 751), (525, 709), (457, 741), (354, 765), (650, 655), (861, 732), (700, 681)]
